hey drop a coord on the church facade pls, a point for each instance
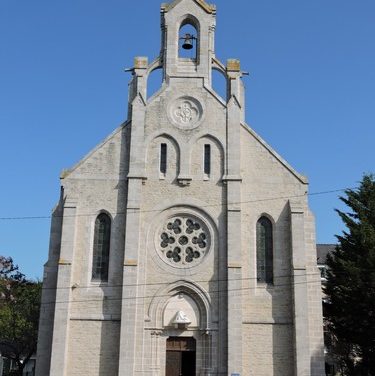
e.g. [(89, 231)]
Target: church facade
[(182, 244)]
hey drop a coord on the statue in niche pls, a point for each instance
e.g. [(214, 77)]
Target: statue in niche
[(181, 319)]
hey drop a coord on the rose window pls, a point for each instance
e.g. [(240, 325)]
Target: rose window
[(183, 241)]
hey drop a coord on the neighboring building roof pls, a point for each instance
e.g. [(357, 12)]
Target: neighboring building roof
[(322, 250)]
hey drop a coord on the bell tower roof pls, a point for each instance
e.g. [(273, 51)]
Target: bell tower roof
[(209, 8)]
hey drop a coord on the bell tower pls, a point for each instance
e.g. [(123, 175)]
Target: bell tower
[(184, 145), (188, 25)]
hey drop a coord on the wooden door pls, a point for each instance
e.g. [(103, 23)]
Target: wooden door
[(181, 357), (173, 363)]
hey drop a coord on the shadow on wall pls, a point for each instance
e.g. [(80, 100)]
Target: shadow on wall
[(110, 330), (218, 287), (281, 295), (109, 348), (317, 364), (48, 305)]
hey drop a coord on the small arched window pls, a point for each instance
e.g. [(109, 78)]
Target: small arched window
[(207, 160), (100, 259), (264, 250), (163, 159)]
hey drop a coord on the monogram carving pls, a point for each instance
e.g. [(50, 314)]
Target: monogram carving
[(186, 112)]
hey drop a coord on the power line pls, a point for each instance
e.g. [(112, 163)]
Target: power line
[(94, 286), (110, 286), (211, 293), (130, 210)]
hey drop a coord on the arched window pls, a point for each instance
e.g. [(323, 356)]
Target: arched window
[(264, 250), (100, 259)]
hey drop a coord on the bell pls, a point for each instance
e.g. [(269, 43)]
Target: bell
[(188, 42)]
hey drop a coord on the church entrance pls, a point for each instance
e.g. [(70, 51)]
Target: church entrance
[(180, 356)]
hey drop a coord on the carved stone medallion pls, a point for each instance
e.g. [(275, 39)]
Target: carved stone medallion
[(185, 112)]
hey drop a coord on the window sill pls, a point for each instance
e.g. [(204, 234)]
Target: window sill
[(184, 181), (99, 283), (265, 285)]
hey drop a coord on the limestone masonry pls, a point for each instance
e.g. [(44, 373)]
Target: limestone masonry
[(182, 244)]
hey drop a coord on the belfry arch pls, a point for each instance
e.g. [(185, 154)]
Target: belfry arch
[(189, 39)]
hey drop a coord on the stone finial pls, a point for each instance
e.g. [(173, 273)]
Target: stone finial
[(140, 62), (233, 65)]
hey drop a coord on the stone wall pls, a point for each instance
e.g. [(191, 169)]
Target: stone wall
[(93, 348)]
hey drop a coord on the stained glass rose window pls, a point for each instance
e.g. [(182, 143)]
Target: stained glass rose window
[(183, 241)]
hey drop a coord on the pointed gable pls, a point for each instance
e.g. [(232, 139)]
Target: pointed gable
[(209, 8)]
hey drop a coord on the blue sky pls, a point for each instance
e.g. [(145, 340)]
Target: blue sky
[(310, 94)]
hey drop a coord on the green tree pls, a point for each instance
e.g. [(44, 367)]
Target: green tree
[(19, 314), (350, 288)]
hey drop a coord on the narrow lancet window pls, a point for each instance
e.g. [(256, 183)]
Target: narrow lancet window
[(264, 251), (207, 159), (100, 260), (163, 159)]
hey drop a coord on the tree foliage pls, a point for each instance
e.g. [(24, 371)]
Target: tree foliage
[(350, 288), (19, 314)]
